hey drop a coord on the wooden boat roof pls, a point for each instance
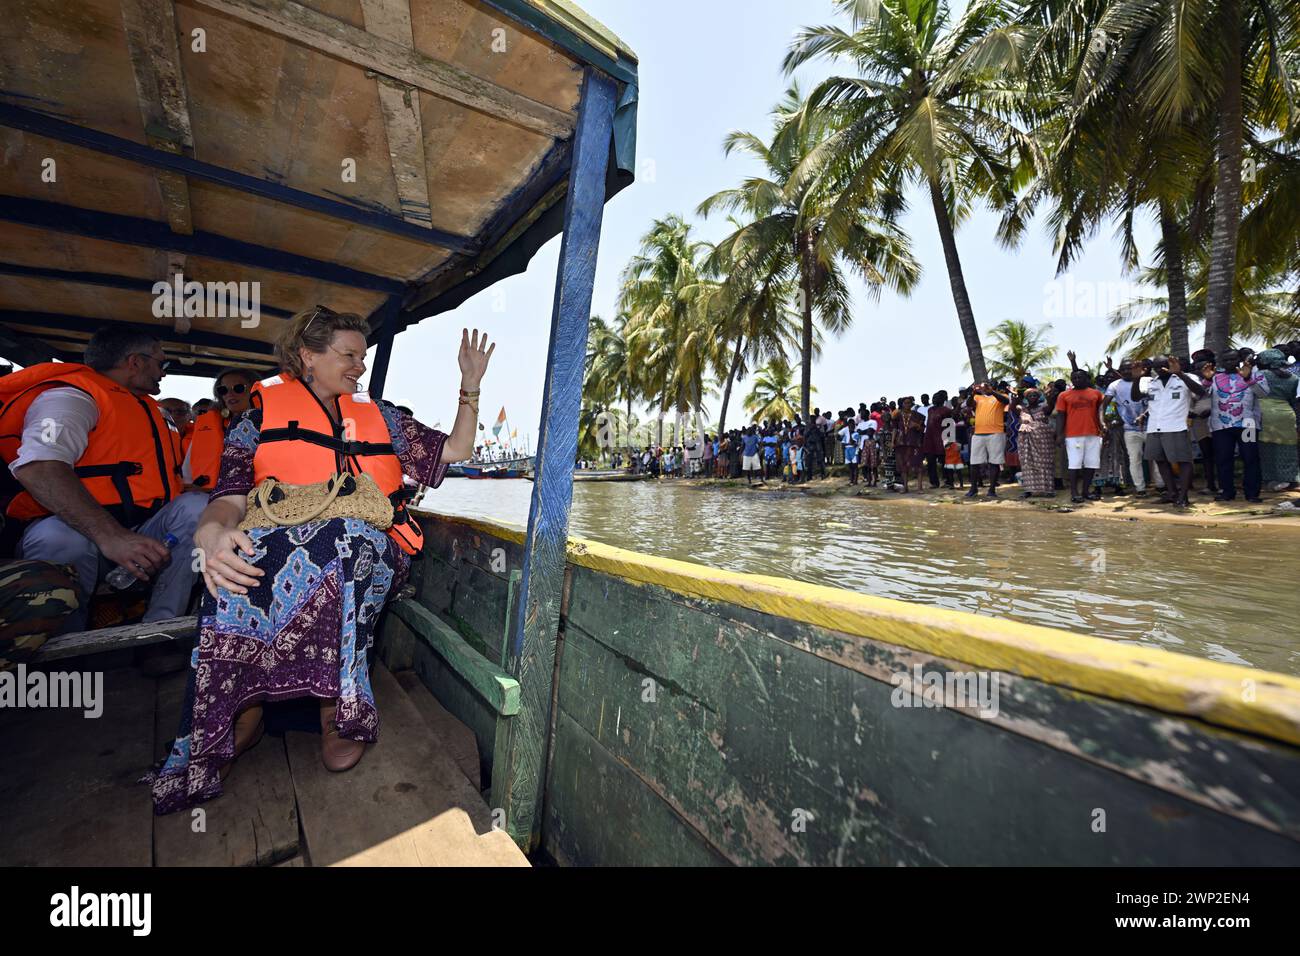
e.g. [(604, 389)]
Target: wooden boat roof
[(215, 138)]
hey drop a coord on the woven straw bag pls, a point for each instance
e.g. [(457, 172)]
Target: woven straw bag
[(276, 504)]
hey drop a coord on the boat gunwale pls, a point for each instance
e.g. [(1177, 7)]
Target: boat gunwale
[(1169, 681)]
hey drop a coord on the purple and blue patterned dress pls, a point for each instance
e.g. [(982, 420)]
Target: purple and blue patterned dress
[(303, 631)]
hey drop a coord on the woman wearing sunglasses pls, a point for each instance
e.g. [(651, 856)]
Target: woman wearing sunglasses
[(290, 610), (203, 452)]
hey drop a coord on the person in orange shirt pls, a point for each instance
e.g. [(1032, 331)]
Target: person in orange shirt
[(988, 447), (202, 465), (1081, 409)]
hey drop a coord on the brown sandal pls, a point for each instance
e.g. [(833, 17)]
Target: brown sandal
[(337, 753), (248, 733)]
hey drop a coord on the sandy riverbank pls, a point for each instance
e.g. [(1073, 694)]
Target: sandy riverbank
[(1204, 511)]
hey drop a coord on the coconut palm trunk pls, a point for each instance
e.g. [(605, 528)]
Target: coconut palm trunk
[(806, 336), (1227, 188), (731, 378), (1176, 281), (965, 314)]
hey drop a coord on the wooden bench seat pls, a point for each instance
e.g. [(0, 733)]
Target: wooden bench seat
[(126, 637)]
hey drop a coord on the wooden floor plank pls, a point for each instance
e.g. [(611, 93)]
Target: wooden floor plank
[(456, 736), (407, 803), (69, 790), (253, 823), (167, 720)]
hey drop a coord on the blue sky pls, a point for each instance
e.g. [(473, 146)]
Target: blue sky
[(707, 67)]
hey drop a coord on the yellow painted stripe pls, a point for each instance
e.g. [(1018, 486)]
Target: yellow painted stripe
[(1177, 683)]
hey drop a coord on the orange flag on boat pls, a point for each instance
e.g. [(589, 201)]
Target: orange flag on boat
[(501, 420)]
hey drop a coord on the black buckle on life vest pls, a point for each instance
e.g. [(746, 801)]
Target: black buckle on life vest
[(118, 473), (348, 448)]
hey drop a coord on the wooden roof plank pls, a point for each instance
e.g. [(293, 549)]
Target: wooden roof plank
[(391, 20), (164, 106), (43, 124), (301, 24), (148, 232), (79, 323), (107, 280)]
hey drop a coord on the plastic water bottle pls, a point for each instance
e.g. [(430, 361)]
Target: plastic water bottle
[(119, 579)]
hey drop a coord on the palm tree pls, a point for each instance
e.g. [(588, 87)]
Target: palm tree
[(1018, 349), (1108, 161), (931, 105), (1270, 230), (753, 308), (612, 376), (772, 393), (1262, 312), (797, 230), (1228, 63), (670, 335)]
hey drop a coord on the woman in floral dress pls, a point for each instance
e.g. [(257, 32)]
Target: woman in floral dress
[(290, 611)]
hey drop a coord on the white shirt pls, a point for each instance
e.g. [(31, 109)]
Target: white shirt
[(57, 427), (1167, 403), (846, 435)]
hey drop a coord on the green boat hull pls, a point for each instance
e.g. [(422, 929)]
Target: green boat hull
[(704, 717)]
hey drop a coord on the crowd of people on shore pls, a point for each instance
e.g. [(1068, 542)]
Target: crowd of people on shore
[(1150, 422)]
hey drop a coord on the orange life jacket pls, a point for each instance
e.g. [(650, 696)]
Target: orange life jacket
[(178, 443), (130, 465), (205, 447), (300, 444)]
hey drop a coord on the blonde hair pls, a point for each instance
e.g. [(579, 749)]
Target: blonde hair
[(314, 330)]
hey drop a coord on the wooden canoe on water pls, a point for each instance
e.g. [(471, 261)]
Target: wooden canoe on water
[(587, 475), (610, 707), (388, 158)]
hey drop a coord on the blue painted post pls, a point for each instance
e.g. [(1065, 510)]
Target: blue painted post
[(517, 772), (388, 326)]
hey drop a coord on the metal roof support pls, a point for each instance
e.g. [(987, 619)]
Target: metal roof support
[(42, 124), (150, 233), (517, 779), (387, 326)]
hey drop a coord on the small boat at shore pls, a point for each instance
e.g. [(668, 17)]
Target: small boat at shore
[(616, 475), (506, 468), (583, 474)]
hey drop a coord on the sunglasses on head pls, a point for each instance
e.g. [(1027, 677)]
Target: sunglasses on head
[(239, 389), (316, 313)]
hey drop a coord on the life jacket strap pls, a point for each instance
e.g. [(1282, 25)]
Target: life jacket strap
[(118, 473), (293, 432)]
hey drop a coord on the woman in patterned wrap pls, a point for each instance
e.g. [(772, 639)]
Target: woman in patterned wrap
[(290, 611)]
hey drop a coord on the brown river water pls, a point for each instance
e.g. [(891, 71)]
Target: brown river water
[(1227, 593)]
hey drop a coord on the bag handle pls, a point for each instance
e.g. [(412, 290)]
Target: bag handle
[(263, 498)]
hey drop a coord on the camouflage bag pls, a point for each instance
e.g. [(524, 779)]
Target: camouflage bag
[(35, 599)]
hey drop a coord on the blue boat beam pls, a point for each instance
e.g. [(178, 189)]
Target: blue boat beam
[(516, 784)]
